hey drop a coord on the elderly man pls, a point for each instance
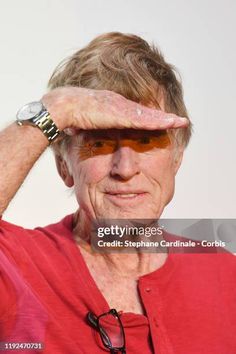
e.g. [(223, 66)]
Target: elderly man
[(118, 126)]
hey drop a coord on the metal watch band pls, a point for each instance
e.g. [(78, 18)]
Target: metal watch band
[(46, 124), (35, 114)]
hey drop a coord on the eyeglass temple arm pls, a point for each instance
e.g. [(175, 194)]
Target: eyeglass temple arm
[(93, 321)]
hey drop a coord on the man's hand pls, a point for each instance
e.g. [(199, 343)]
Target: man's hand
[(75, 108)]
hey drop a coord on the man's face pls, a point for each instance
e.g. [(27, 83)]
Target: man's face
[(123, 173)]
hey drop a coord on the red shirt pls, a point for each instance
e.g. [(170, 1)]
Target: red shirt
[(46, 291)]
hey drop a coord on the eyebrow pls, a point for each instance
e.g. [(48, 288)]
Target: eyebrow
[(115, 133)]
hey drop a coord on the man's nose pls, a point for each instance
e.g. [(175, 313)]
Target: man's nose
[(125, 163)]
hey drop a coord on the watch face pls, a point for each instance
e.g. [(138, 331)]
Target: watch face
[(29, 111)]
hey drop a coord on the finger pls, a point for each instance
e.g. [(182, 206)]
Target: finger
[(119, 112), (147, 118)]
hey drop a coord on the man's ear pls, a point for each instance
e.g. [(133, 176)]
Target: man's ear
[(178, 159), (64, 171)]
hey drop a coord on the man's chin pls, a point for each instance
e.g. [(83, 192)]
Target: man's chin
[(127, 214)]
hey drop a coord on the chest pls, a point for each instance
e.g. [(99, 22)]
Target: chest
[(121, 293)]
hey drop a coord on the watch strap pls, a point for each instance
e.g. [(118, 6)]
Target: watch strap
[(46, 124)]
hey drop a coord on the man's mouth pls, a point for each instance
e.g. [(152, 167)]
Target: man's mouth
[(127, 195)]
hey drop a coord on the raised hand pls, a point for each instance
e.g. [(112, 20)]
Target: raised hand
[(75, 108)]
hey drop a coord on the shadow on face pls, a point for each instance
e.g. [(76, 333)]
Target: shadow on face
[(103, 142)]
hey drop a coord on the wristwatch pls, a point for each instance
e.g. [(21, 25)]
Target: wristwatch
[(36, 114)]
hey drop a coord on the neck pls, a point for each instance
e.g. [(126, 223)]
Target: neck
[(130, 264)]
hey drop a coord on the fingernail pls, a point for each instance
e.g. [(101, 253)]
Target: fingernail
[(69, 131)]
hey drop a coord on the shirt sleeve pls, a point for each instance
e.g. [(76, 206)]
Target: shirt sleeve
[(8, 294)]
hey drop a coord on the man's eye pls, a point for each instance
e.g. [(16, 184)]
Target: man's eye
[(145, 140), (98, 144), (102, 147)]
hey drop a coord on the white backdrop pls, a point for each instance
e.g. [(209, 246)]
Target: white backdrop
[(197, 36)]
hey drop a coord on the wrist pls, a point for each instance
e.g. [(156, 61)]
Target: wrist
[(36, 115)]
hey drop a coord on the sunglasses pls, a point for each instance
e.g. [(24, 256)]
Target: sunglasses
[(111, 330)]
